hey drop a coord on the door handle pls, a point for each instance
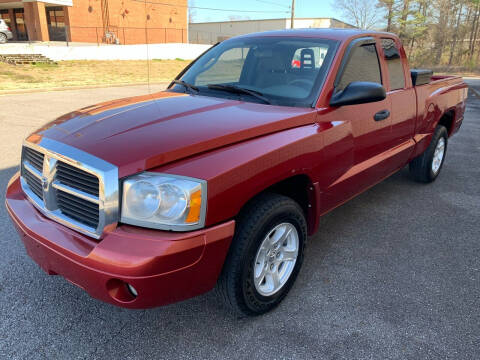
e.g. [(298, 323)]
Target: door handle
[(382, 115)]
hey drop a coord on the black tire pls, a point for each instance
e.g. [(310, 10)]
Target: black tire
[(236, 283), (421, 167), (3, 38)]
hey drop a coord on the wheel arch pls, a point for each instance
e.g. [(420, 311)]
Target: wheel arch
[(447, 119), (302, 190)]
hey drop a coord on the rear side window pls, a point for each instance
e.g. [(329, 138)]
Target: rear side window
[(394, 63), (362, 66)]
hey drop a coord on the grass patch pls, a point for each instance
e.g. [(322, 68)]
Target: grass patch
[(45, 65), (84, 73)]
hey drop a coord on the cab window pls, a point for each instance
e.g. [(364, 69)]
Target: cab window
[(394, 64), (363, 65)]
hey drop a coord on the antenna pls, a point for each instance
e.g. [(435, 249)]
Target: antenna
[(292, 19)]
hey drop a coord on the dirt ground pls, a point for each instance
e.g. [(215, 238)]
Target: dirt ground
[(86, 73)]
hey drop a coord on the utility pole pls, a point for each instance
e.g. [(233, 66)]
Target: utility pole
[(293, 15)]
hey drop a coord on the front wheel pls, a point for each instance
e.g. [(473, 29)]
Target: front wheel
[(265, 256), (426, 167)]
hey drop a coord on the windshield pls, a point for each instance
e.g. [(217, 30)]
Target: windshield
[(283, 70)]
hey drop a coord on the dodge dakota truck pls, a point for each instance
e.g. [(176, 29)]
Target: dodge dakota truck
[(217, 181)]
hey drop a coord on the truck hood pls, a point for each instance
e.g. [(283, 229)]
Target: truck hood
[(144, 132)]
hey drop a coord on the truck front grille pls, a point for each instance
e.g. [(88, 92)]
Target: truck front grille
[(34, 158), (76, 208), (69, 190), (77, 178), (34, 183), (31, 170)]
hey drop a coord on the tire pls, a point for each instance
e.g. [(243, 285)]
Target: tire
[(426, 167), (3, 38), (261, 223)]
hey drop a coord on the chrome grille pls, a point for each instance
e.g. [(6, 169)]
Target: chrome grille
[(70, 186), (34, 183), (32, 167), (77, 178), (76, 208), (34, 158)]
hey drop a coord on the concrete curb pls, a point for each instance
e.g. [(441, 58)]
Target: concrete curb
[(82, 87)]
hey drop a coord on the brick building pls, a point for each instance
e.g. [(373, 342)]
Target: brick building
[(97, 21)]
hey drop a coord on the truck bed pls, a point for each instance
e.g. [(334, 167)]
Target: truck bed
[(444, 94)]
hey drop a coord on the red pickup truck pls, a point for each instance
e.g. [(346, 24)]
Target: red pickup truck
[(218, 181)]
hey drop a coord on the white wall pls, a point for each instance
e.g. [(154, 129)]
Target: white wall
[(211, 33), (107, 52), (310, 23)]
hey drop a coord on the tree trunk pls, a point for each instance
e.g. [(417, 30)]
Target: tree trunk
[(440, 31), (473, 32), (455, 35), (389, 16), (403, 23)]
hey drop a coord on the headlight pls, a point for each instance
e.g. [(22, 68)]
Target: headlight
[(163, 201)]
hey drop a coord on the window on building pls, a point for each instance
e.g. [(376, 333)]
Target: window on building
[(396, 73), (362, 66), (5, 16), (55, 16)]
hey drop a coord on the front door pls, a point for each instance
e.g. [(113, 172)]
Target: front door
[(56, 23), (369, 124), (20, 26)]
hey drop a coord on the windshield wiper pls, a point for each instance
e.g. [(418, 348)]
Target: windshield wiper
[(239, 90), (186, 85)]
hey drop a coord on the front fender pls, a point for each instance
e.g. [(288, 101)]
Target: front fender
[(238, 172)]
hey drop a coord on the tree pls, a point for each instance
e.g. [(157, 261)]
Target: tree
[(474, 28), (456, 31), (434, 33), (403, 19), (388, 5), (362, 13)]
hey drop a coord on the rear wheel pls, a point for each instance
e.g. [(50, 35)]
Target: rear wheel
[(426, 167), (3, 38), (265, 256)]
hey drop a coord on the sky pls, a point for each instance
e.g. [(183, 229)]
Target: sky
[(267, 9)]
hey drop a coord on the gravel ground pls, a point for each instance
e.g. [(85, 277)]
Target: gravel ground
[(393, 274)]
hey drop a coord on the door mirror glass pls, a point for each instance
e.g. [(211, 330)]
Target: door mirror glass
[(359, 92)]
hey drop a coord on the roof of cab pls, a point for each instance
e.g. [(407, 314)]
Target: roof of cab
[(330, 33)]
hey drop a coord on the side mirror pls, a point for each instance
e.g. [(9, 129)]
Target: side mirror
[(359, 92)]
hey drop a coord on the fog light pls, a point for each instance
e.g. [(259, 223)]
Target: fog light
[(132, 290)]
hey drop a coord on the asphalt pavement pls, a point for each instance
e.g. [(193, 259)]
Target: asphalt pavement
[(392, 274)]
